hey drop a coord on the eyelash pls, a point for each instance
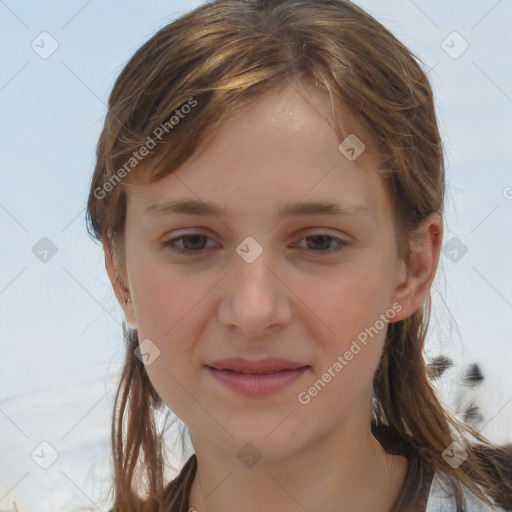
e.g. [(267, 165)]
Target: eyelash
[(170, 244)]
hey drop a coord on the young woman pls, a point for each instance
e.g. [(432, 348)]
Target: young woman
[(269, 193)]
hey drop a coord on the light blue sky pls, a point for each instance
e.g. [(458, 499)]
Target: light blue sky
[(60, 320)]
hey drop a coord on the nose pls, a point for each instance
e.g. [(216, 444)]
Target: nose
[(255, 299)]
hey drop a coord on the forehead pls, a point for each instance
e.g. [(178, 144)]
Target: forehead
[(283, 149)]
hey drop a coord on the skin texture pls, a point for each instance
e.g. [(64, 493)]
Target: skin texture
[(291, 302)]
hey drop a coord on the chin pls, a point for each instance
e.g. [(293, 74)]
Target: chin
[(269, 438)]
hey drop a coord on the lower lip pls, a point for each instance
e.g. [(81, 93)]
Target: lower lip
[(256, 385)]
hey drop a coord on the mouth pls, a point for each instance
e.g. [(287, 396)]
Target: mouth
[(254, 373), (256, 379), (267, 366)]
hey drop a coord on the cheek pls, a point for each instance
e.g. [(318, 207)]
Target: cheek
[(162, 294), (348, 358), (351, 304), (168, 309), (354, 299)]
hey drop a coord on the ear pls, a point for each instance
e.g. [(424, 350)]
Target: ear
[(413, 283), (120, 289)]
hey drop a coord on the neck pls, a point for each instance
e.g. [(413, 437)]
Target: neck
[(357, 475)]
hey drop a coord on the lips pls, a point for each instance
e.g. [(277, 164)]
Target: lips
[(262, 367), (256, 379)]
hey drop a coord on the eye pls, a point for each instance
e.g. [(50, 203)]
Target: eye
[(194, 243), (325, 240), (197, 241)]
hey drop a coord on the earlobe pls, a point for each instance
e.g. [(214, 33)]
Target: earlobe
[(414, 282), (120, 289)]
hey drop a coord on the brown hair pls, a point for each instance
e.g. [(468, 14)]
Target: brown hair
[(219, 59)]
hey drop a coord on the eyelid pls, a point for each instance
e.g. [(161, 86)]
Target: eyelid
[(341, 243), (167, 243)]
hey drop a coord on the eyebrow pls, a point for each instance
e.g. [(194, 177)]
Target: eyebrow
[(197, 207)]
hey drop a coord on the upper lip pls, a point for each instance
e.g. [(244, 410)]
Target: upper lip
[(239, 364)]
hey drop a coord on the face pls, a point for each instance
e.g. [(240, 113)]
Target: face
[(311, 287)]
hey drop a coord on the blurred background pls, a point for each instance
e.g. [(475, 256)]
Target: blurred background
[(62, 343)]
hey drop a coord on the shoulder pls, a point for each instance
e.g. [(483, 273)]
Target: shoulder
[(440, 500)]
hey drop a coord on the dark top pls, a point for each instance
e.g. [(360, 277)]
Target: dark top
[(181, 485)]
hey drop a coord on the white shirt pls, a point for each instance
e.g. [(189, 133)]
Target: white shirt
[(440, 501)]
